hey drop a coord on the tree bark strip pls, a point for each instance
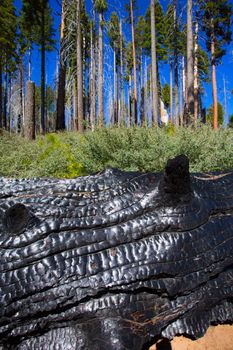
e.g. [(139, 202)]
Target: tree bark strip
[(79, 70), (29, 123), (43, 127), (0, 94), (92, 83), (214, 83), (171, 88), (100, 74), (60, 118), (154, 66), (196, 87), (134, 66), (176, 78), (190, 70)]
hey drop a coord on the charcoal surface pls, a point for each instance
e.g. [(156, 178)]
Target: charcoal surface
[(115, 260)]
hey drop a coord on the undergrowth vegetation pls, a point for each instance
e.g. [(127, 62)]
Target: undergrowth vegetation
[(70, 155)]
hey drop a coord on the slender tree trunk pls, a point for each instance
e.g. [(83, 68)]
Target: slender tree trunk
[(171, 88), (75, 106), (196, 87), (1, 94), (29, 122), (84, 80), (225, 98), (43, 72), (181, 97), (145, 94), (5, 101), (130, 117), (111, 107), (183, 90), (190, 68), (9, 91), (176, 77), (20, 117), (154, 67), (100, 74), (79, 70), (214, 83), (92, 84), (134, 66), (29, 62), (60, 117), (121, 78), (115, 87)]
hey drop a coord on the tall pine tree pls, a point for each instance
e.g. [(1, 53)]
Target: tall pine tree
[(216, 21), (101, 7), (8, 26)]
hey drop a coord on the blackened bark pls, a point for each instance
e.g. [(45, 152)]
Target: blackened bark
[(60, 121)]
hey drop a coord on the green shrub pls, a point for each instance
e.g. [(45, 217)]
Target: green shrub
[(68, 155)]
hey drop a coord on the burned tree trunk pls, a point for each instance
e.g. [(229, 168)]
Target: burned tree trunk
[(115, 260)]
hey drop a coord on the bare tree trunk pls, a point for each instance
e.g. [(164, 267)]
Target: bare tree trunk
[(100, 74), (9, 91), (111, 107), (92, 84), (214, 84), (43, 72), (196, 87), (75, 106), (121, 78), (79, 70), (29, 122), (115, 87), (190, 70), (145, 94), (225, 97), (134, 66), (5, 101), (171, 88), (183, 91), (154, 67), (20, 117), (181, 96), (130, 117), (1, 94), (29, 62), (176, 77), (60, 118)]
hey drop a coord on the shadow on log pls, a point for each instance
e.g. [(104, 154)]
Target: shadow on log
[(115, 260)]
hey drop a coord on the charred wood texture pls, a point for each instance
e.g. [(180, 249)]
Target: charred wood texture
[(115, 260)]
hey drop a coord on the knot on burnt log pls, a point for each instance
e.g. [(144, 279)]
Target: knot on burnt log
[(175, 183)]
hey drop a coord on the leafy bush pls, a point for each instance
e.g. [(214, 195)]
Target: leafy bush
[(70, 155)]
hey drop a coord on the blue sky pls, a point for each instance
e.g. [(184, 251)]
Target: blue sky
[(224, 71)]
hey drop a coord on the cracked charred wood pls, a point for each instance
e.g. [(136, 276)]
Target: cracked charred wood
[(115, 260)]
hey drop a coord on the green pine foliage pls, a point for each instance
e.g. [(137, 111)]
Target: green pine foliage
[(100, 6), (68, 155), (216, 23), (8, 33)]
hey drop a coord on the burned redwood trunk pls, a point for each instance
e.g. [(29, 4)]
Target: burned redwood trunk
[(115, 260)]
